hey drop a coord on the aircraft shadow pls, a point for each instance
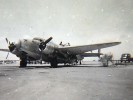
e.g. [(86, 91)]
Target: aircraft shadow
[(63, 66)]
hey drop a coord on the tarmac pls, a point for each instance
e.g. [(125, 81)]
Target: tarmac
[(85, 82)]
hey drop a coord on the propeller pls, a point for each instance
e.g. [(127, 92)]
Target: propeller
[(11, 46), (42, 46)]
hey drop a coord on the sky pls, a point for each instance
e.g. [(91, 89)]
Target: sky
[(79, 22)]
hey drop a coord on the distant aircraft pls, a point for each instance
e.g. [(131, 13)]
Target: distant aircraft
[(45, 50)]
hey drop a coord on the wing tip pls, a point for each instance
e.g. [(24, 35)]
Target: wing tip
[(117, 43)]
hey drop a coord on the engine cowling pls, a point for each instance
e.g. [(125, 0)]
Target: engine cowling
[(49, 49)]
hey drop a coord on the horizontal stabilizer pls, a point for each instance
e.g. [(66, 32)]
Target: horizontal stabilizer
[(91, 54)]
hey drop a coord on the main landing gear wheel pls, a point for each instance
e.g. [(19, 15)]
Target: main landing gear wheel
[(54, 63), (23, 63)]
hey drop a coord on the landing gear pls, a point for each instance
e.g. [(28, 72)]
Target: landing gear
[(23, 60), (54, 63), (23, 63), (80, 62)]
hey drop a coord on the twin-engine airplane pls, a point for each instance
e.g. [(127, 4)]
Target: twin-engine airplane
[(45, 50)]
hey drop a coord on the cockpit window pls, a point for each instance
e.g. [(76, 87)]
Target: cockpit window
[(39, 39)]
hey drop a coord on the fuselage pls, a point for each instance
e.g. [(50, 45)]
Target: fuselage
[(31, 48)]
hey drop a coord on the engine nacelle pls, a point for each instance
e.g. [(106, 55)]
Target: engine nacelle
[(49, 49)]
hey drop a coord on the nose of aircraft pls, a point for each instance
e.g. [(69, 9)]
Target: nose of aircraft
[(14, 45)]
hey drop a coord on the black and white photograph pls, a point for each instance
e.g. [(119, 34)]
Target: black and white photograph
[(66, 50)]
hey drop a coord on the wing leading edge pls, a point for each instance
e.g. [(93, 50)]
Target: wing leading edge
[(86, 48)]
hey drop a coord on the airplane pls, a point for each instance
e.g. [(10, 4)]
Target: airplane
[(46, 50)]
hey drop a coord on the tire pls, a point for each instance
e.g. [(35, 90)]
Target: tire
[(23, 63), (54, 63)]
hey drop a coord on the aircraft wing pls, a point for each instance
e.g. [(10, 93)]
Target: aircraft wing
[(5, 50), (86, 48)]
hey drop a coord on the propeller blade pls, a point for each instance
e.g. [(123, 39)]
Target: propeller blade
[(8, 42), (7, 55), (48, 40)]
